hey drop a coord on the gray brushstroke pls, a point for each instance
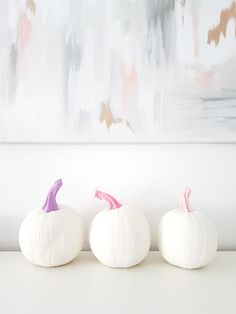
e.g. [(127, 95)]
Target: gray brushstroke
[(222, 98), (224, 89), (72, 60), (13, 75), (160, 15)]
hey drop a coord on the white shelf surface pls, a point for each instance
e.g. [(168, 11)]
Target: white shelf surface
[(87, 287)]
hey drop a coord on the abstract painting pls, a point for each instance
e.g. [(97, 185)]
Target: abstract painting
[(76, 71)]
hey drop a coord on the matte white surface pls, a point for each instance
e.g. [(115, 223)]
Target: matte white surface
[(86, 286), (150, 177)]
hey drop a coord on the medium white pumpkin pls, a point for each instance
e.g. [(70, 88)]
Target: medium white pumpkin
[(52, 235), (185, 237), (119, 235)]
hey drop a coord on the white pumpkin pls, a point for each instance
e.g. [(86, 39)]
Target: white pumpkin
[(52, 235), (119, 235), (185, 237)]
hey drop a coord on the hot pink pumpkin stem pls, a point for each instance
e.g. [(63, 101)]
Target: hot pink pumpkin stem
[(185, 204), (51, 204), (113, 203)]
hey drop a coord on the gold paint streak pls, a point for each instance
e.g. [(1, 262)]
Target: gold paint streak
[(30, 4), (107, 116), (215, 32)]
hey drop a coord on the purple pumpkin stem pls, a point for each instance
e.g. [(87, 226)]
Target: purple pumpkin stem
[(51, 204), (113, 203), (185, 204)]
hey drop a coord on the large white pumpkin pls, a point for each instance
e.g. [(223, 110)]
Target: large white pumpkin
[(186, 238), (52, 235), (119, 235)]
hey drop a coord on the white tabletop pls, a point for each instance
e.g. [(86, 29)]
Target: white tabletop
[(87, 287)]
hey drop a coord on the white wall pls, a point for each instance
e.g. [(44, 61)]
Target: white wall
[(151, 177)]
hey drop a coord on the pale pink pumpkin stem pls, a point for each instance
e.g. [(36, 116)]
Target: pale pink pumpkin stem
[(113, 203), (185, 204)]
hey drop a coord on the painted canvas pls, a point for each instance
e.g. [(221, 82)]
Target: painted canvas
[(117, 71)]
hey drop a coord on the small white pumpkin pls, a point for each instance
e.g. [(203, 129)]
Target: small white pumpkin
[(119, 235), (52, 235), (185, 237)]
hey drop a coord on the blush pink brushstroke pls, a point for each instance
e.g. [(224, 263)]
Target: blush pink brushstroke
[(24, 31)]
